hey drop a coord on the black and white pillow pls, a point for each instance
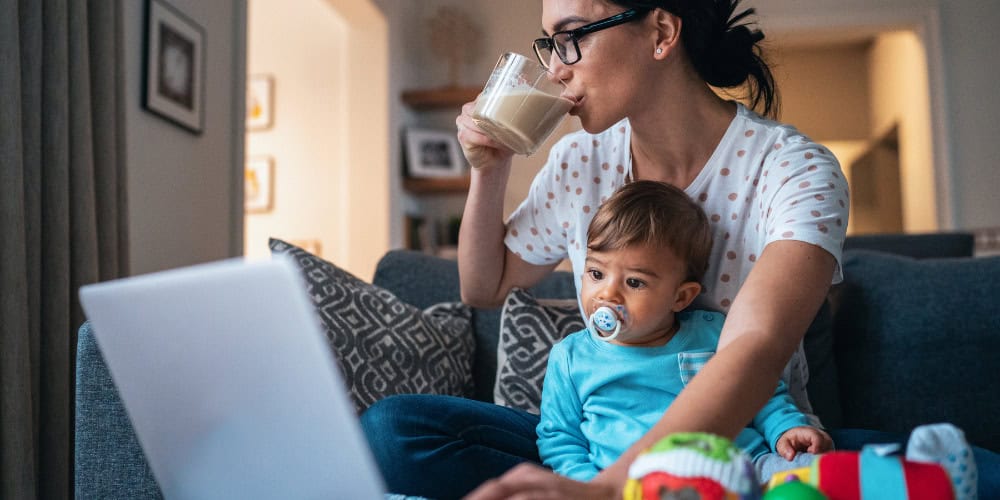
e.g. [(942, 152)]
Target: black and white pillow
[(529, 327), (383, 345)]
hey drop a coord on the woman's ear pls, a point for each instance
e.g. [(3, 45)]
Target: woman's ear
[(668, 33), (686, 293)]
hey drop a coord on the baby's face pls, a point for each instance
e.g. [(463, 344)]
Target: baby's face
[(644, 285)]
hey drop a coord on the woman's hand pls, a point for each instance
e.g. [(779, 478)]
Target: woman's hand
[(531, 481), (803, 439), (481, 151)]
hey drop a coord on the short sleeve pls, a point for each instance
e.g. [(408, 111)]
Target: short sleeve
[(534, 231), (809, 199)]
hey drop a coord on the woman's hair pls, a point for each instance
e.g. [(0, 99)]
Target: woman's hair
[(656, 214), (724, 51)]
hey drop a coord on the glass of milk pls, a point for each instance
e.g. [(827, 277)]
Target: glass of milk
[(521, 104)]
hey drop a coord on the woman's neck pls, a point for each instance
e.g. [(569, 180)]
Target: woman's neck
[(672, 141)]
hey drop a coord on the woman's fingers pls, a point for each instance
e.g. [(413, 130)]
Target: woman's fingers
[(529, 481)]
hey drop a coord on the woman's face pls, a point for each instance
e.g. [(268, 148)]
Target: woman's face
[(607, 82)]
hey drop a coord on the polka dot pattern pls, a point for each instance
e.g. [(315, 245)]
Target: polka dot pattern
[(764, 184)]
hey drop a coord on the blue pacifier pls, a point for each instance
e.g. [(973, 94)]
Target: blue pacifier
[(605, 324)]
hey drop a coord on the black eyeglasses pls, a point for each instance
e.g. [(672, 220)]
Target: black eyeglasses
[(564, 43)]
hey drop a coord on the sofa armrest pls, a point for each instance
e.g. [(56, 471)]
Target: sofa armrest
[(109, 463)]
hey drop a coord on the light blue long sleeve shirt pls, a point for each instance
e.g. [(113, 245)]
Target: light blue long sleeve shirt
[(599, 398)]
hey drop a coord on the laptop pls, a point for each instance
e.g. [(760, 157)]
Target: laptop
[(230, 384)]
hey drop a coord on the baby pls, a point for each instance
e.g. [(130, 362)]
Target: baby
[(647, 248)]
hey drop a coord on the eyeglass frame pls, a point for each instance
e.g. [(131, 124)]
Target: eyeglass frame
[(574, 35)]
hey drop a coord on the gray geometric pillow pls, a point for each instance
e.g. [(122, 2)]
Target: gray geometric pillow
[(383, 345), (529, 327)]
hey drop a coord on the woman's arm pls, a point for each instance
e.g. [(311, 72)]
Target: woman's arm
[(768, 319), (487, 269)]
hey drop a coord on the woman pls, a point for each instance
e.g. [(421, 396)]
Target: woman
[(639, 73)]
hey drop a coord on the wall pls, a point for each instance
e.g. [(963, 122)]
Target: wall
[(962, 85), (329, 135), (504, 26), (824, 88), (956, 34), (184, 191), (900, 97)]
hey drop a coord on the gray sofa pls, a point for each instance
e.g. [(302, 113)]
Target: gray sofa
[(903, 341)]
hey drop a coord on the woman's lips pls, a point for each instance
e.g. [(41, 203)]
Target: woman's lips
[(577, 104)]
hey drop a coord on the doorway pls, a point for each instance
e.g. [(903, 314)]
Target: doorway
[(321, 152), (867, 86)]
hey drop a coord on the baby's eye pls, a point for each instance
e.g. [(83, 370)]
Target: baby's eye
[(595, 274), (635, 283)]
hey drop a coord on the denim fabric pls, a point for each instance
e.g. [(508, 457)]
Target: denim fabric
[(770, 464), (443, 446)]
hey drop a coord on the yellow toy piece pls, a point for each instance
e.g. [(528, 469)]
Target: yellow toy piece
[(803, 474)]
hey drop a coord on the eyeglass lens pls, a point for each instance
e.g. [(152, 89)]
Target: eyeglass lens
[(563, 45)]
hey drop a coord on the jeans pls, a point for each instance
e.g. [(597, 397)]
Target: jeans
[(443, 447)]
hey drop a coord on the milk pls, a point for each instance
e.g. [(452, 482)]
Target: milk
[(520, 118)]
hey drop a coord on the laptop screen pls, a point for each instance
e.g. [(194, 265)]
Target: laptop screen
[(230, 384)]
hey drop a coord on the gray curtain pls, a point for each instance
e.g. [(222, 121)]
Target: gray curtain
[(62, 220)]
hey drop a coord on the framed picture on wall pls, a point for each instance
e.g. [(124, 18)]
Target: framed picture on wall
[(311, 245), (174, 69), (433, 153), (258, 184), (260, 102)]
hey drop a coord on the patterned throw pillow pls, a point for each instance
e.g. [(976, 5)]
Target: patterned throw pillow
[(383, 345), (528, 329)]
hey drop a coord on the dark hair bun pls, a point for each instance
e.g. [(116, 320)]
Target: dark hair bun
[(734, 58)]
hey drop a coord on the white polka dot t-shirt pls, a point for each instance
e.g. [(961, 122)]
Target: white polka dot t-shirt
[(765, 182)]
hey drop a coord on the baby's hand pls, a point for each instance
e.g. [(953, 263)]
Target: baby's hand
[(803, 439)]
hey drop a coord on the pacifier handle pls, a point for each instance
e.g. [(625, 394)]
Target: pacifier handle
[(605, 320)]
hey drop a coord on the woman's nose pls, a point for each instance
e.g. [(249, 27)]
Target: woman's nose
[(557, 69)]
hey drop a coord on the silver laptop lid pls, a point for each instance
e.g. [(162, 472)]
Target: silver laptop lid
[(230, 385)]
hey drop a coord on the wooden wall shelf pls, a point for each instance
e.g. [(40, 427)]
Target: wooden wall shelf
[(439, 98), (436, 186)]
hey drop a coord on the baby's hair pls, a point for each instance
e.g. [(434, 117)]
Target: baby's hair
[(654, 213)]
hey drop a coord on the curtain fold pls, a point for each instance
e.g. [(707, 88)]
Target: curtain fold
[(62, 210)]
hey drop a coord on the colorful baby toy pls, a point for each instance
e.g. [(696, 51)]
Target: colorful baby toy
[(690, 466)]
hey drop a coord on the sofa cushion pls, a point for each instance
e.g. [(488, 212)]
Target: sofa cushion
[(529, 327), (422, 280), (383, 345), (918, 341)]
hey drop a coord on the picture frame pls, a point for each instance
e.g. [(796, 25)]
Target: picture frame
[(433, 153), (260, 102), (174, 69), (311, 245), (258, 185)]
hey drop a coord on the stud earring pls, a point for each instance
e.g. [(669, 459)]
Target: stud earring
[(659, 50)]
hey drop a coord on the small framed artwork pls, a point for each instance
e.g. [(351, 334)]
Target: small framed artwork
[(260, 102), (312, 245), (174, 70), (433, 153), (258, 183)]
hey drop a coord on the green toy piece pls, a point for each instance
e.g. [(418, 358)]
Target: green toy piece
[(794, 490)]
